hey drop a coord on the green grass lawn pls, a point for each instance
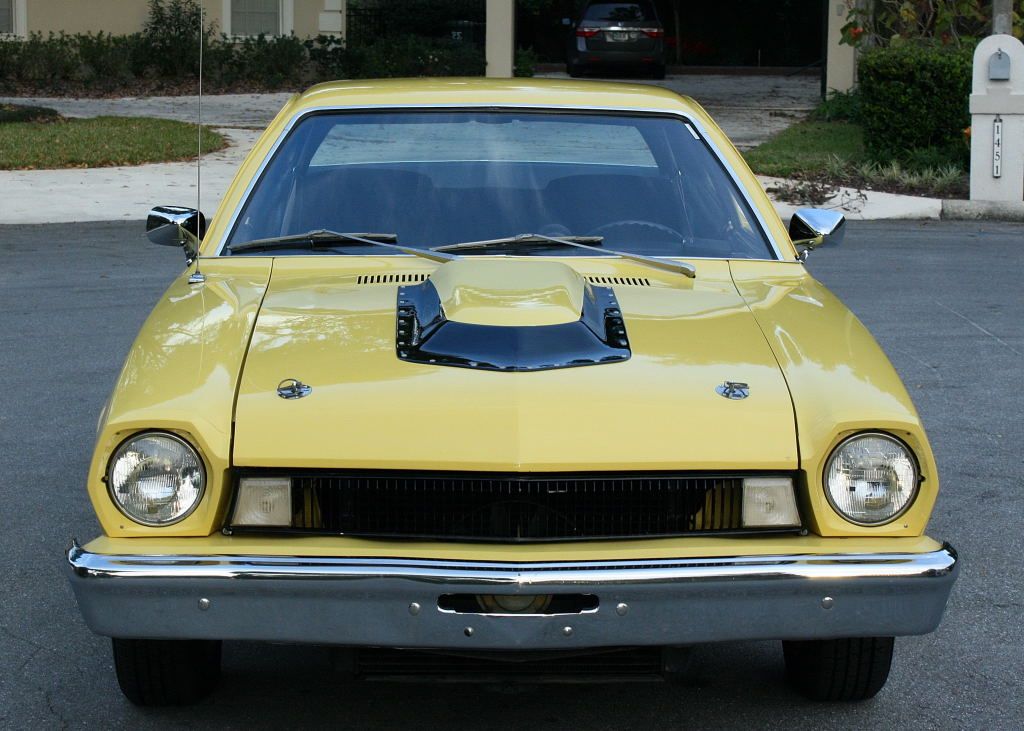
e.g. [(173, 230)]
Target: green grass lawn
[(50, 141), (832, 154), (806, 148)]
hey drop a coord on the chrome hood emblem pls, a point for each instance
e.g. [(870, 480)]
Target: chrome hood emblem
[(733, 390), (291, 388)]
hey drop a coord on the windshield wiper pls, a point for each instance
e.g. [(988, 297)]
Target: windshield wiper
[(326, 239), (578, 242)]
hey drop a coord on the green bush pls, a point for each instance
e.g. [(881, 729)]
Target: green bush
[(40, 59), (328, 55), (105, 60), (915, 98), (839, 106), (406, 56), (525, 63), (166, 55), (100, 61), (170, 38), (394, 56), (271, 62)]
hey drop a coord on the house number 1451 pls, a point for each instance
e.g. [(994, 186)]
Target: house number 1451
[(997, 148)]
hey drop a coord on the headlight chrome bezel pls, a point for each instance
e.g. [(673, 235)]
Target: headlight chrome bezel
[(914, 461), (108, 476)]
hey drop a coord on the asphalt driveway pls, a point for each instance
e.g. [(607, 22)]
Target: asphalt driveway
[(944, 300)]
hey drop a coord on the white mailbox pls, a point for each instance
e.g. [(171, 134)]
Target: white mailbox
[(997, 120)]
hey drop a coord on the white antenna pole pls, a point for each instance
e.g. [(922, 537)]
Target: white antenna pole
[(197, 276)]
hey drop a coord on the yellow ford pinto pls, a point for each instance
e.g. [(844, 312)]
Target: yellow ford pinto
[(505, 375)]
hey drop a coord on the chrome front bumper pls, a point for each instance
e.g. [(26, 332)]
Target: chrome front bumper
[(394, 602)]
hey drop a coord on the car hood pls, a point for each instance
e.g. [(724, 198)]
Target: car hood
[(334, 328)]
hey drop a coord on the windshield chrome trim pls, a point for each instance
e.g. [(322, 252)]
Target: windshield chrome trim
[(693, 123)]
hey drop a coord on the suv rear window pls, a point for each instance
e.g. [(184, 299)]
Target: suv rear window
[(620, 12)]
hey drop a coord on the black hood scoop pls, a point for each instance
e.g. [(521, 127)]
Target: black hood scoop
[(425, 335)]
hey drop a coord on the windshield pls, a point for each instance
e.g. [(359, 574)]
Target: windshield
[(645, 184)]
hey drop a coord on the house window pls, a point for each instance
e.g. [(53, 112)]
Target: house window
[(6, 16), (253, 17)]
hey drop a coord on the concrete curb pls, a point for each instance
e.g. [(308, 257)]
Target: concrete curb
[(960, 210)]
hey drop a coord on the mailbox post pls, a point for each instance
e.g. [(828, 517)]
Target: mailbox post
[(997, 120)]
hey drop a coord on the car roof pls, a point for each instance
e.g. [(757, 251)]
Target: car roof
[(477, 91)]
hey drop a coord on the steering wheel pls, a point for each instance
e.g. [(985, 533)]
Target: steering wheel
[(651, 227)]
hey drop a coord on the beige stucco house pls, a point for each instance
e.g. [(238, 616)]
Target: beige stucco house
[(234, 17)]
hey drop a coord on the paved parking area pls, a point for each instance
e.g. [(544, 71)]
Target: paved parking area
[(942, 298)]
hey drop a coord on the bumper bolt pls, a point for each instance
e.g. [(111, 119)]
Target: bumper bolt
[(621, 608), (414, 608), (204, 604), (567, 631), (468, 631), (827, 602)]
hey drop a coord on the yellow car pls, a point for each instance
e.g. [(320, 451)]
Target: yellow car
[(505, 375)]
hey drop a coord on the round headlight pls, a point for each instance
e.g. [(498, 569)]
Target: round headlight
[(871, 479), (156, 478)]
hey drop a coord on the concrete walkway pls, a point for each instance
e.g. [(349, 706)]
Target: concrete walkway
[(119, 193), (252, 111), (749, 108)]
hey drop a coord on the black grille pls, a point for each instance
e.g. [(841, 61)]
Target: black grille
[(515, 507)]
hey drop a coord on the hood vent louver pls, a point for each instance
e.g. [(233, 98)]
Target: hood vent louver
[(625, 281), (391, 278)]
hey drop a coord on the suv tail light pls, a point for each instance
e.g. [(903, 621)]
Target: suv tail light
[(587, 32), (653, 32)]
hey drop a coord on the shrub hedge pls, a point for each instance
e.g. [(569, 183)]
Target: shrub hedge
[(914, 102), (393, 56), (103, 63)]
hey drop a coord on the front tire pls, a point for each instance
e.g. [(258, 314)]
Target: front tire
[(166, 672), (852, 669)]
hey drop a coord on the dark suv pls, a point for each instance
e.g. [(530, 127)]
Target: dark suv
[(617, 36)]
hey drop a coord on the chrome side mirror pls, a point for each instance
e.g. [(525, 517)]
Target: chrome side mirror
[(177, 226), (811, 227)]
